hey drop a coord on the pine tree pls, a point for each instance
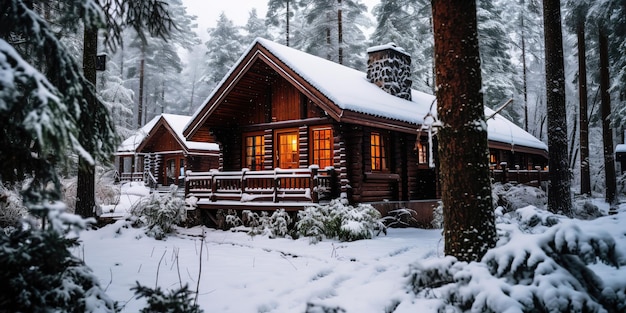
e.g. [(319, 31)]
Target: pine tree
[(224, 48), (559, 198), (255, 27), (469, 223), (320, 31), (280, 14), (497, 71)]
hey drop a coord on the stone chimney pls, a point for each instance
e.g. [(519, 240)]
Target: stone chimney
[(389, 67)]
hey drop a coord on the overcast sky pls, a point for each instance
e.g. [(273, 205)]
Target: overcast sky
[(208, 11)]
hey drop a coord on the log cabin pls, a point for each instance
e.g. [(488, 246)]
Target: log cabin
[(295, 129), (159, 154)]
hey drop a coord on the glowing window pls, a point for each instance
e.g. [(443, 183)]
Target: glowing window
[(322, 147), (255, 150), (378, 153)]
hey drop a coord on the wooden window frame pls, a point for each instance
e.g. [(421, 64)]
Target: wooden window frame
[(257, 166), (315, 149), (422, 152), (379, 152)]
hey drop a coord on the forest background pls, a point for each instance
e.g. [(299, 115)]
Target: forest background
[(181, 72)]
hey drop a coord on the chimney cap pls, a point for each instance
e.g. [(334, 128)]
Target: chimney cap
[(391, 46)]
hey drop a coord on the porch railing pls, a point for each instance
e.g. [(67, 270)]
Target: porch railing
[(302, 184), (131, 176), (534, 177)]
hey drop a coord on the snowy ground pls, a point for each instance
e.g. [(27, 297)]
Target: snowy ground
[(240, 273)]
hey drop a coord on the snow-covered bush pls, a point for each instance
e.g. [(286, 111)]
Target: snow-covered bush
[(105, 191), (547, 272), (275, 225), (175, 301), (585, 210), (437, 221), (340, 220), (11, 208), (514, 196), (40, 274), (401, 217), (160, 212)]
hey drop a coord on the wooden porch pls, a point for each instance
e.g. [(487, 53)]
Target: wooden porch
[(536, 177), (294, 189)]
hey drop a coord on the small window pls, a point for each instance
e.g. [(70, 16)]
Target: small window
[(378, 152), (422, 152), (322, 153), (254, 152)]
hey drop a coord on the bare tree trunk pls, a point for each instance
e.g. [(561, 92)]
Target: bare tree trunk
[(469, 224), (141, 78), (585, 175), (85, 186), (559, 198), (340, 32), (525, 76), (287, 25), (607, 132)]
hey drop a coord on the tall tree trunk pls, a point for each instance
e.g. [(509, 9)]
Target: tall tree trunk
[(559, 198), (469, 224), (142, 63), (524, 73), (85, 186), (607, 132), (585, 175), (287, 25), (340, 32)]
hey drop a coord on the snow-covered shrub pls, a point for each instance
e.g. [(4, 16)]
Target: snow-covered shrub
[(515, 196), (11, 208), (175, 301), (105, 191), (437, 221), (533, 220), (275, 225), (160, 212), (40, 274), (341, 221), (546, 272), (401, 217), (585, 210), (320, 308)]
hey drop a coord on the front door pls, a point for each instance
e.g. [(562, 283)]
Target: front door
[(287, 150)]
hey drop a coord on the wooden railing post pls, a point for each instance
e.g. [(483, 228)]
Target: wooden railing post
[(213, 181), (538, 168), (314, 184), (187, 181), (505, 172), (517, 170), (276, 185), (244, 181)]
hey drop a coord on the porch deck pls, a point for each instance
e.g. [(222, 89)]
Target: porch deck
[(291, 189)]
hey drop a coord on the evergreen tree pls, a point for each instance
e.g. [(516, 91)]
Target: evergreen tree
[(41, 113), (469, 222), (498, 74), (255, 27), (224, 48), (279, 15), (322, 34)]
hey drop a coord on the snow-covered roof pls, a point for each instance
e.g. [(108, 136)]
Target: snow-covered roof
[(350, 90), (620, 148), (177, 123)]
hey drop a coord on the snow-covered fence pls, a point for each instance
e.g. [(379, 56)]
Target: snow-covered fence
[(301, 184), (534, 177)]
